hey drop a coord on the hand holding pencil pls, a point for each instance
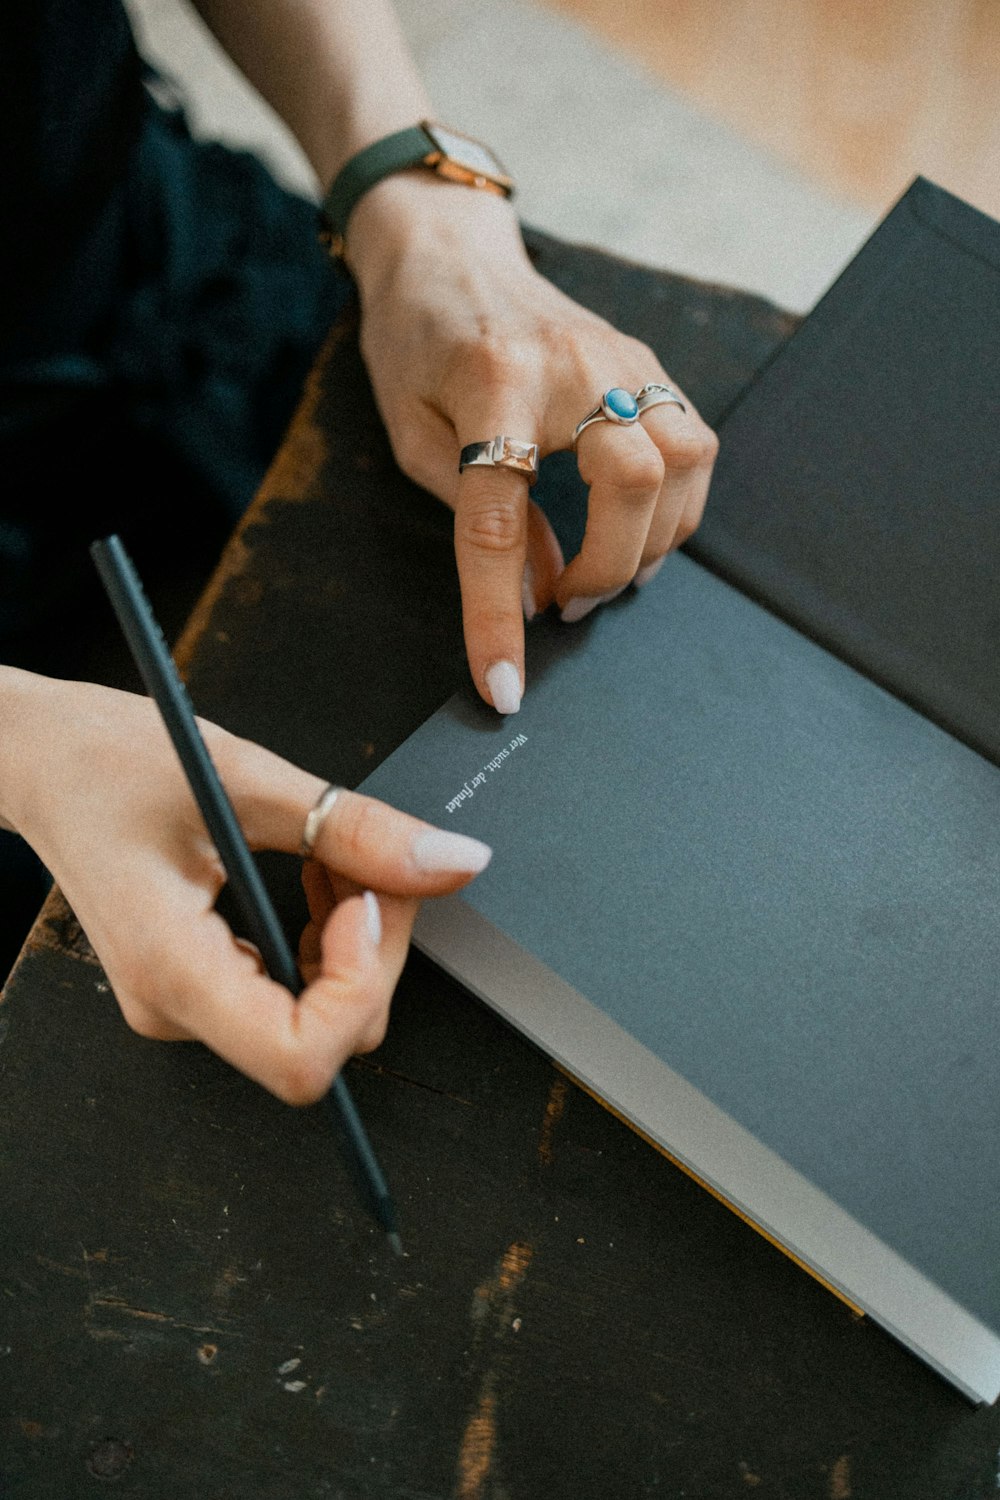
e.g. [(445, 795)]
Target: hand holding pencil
[(89, 777)]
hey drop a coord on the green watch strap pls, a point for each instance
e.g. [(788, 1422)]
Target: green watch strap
[(446, 151), (393, 153)]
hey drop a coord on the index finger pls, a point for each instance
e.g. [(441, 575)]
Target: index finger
[(491, 544)]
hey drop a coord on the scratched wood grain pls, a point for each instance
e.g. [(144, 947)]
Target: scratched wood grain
[(191, 1301)]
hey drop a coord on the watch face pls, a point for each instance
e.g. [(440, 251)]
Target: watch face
[(465, 152)]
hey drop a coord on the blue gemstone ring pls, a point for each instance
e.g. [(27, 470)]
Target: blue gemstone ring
[(616, 405), (619, 405)]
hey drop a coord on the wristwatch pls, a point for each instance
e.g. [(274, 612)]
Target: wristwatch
[(445, 151)]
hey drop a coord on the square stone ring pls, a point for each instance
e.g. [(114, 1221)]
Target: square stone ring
[(501, 453), (619, 405)]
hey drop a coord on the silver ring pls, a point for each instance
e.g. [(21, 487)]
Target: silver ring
[(315, 818), (657, 395), (501, 453), (616, 405)]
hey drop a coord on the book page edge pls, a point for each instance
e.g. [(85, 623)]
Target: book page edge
[(712, 1147)]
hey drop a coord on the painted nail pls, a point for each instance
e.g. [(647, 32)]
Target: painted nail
[(436, 850), (577, 609), (504, 683), (373, 917), (528, 601), (649, 572)]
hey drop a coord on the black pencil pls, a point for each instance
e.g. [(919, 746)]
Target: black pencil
[(163, 683)]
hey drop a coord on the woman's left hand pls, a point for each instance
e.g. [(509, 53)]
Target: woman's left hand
[(464, 340)]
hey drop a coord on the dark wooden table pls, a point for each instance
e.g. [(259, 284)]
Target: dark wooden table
[(192, 1301)]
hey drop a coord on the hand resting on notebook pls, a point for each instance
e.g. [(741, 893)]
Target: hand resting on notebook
[(89, 777), (464, 340)]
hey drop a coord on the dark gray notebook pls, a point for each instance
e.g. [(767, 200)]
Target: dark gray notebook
[(744, 894), (857, 491), (753, 902)]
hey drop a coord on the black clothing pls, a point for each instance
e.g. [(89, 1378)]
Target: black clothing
[(161, 301)]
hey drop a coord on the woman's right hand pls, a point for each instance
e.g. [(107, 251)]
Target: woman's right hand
[(90, 778)]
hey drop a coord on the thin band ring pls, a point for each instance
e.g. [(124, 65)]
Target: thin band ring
[(618, 405), (501, 453), (657, 395), (316, 817)]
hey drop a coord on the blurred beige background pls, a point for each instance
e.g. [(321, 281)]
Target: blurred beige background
[(754, 142), (859, 96)]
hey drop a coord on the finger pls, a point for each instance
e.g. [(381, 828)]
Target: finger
[(491, 527), (318, 891), (432, 460), (688, 448), (324, 889), (155, 977), (625, 472), (364, 839), (491, 545), (149, 1025), (294, 1048), (426, 449), (378, 847), (320, 900), (387, 927)]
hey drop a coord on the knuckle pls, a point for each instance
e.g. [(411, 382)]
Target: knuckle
[(638, 474), (134, 988), (139, 1018), (641, 353), (495, 366), (605, 586), (691, 450), (686, 528), (684, 450), (372, 1034), (490, 362), (301, 1079), (494, 523), (361, 827)]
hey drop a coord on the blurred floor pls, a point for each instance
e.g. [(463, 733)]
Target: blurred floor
[(604, 151), (860, 96)]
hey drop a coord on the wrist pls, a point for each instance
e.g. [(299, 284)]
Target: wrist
[(358, 123), (416, 214)]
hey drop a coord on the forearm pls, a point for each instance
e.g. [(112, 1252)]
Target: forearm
[(23, 701), (463, 340), (339, 72)]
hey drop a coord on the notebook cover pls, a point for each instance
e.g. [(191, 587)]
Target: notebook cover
[(857, 489), (768, 875), (731, 870)]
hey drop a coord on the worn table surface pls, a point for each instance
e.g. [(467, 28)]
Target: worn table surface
[(192, 1301)]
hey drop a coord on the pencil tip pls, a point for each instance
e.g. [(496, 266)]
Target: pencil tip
[(395, 1243)]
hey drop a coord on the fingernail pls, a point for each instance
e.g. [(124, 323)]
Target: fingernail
[(649, 572), (577, 609), (435, 850), (373, 917), (528, 601), (504, 683)]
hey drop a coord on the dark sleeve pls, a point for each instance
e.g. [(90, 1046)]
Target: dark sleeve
[(71, 101)]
